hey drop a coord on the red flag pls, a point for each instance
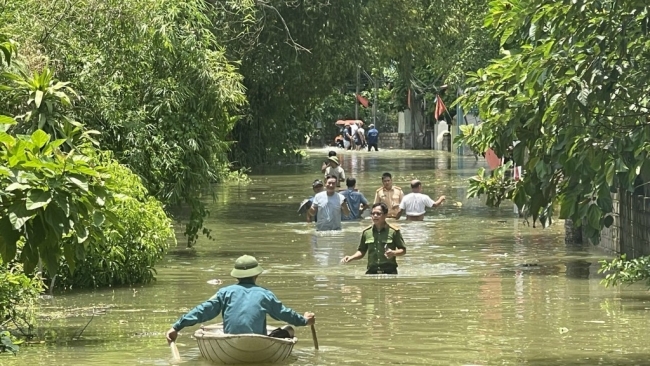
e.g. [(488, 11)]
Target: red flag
[(440, 108), (364, 102)]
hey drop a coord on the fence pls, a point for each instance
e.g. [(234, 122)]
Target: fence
[(630, 232)]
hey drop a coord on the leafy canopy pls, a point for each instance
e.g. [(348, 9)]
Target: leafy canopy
[(572, 89), (152, 77)]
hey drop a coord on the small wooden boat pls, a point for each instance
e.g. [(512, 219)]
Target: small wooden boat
[(222, 348)]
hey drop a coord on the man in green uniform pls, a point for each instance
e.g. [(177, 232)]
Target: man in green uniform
[(382, 241)]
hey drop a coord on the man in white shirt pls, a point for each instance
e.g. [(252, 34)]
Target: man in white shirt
[(354, 127), (415, 203), (361, 137)]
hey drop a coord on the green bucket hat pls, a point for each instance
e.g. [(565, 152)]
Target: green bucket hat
[(246, 266)]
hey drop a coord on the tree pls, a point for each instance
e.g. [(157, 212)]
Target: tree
[(128, 255), (428, 46), (292, 55), (571, 88), (60, 197), (152, 78), (46, 196)]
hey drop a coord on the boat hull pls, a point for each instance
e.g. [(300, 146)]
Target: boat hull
[(231, 349)]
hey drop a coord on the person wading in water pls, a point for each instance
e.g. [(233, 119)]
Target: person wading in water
[(415, 203), (334, 169), (329, 205), (326, 163), (382, 241), (389, 195)]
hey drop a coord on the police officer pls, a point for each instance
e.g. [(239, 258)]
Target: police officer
[(382, 241), (390, 195)]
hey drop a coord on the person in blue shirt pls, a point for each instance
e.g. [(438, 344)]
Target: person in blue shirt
[(244, 306), (356, 201), (373, 138)]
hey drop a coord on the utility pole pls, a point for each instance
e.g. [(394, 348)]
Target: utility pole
[(374, 103), (356, 100), (412, 110)]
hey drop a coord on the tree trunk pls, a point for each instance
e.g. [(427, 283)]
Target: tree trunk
[(572, 235)]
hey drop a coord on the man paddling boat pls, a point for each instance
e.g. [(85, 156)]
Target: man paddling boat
[(244, 306), (382, 241)]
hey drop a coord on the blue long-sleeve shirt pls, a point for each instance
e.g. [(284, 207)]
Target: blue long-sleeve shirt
[(244, 307)]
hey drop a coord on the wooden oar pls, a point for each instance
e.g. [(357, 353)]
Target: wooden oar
[(313, 336), (175, 355)]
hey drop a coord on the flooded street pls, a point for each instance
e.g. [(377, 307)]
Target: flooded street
[(476, 287)]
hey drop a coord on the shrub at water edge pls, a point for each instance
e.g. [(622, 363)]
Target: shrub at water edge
[(127, 257)]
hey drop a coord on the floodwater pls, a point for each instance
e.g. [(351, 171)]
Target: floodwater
[(477, 286)]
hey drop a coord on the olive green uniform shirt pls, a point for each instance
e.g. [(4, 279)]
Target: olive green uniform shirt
[(374, 243)]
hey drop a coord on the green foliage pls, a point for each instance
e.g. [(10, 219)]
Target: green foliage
[(7, 49), (64, 201), (496, 187), (8, 343), (292, 55), (127, 256), (424, 46), (571, 87), (18, 295), (623, 271), (48, 195), (153, 79), (430, 43), (46, 100)]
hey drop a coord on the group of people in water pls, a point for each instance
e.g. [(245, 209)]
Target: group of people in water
[(244, 305), (349, 204), (354, 137), (382, 241)]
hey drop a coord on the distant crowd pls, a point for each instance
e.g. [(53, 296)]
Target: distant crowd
[(354, 137)]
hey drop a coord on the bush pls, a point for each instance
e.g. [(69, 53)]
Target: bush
[(18, 294), (623, 271), (127, 257)]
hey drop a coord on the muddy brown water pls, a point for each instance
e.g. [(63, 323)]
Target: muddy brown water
[(477, 286)]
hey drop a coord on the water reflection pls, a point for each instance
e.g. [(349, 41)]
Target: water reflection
[(328, 249), (475, 288)]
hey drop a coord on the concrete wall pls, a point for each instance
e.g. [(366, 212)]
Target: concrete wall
[(392, 140)]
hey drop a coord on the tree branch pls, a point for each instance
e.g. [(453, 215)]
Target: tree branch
[(293, 43)]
